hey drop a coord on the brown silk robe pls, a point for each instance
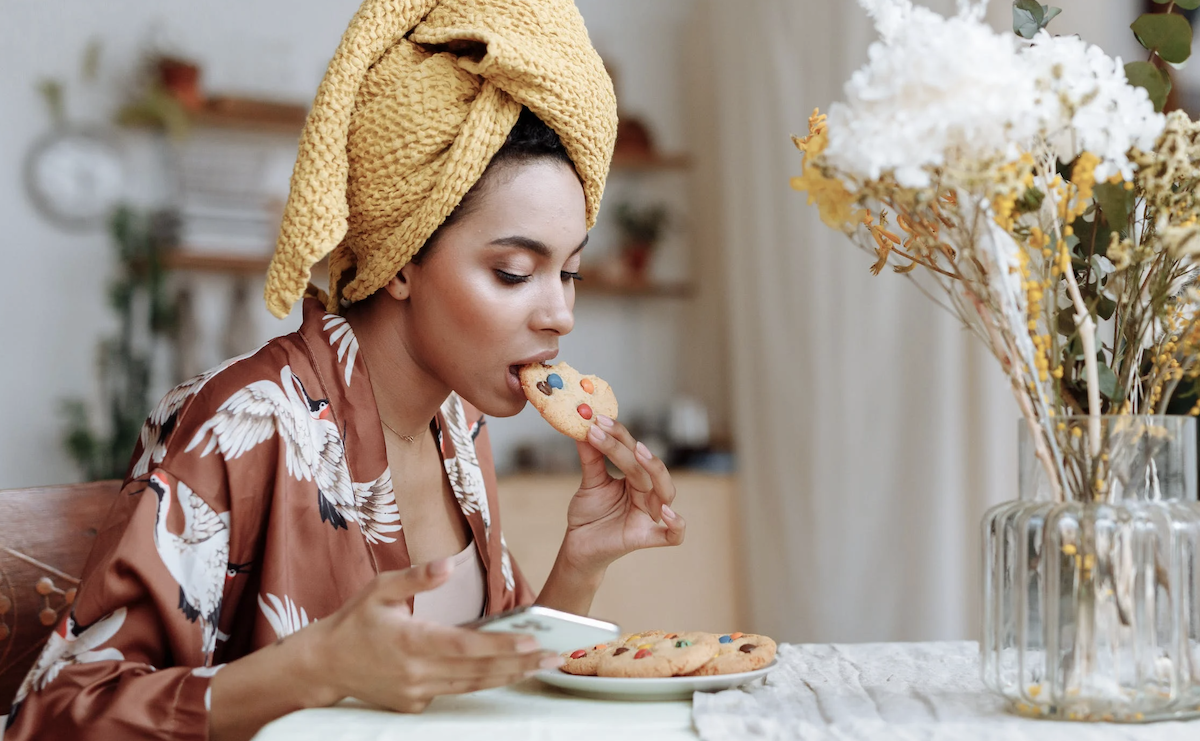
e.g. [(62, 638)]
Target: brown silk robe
[(258, 500)]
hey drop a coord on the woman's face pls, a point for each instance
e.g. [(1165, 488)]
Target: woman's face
[(498, 288)]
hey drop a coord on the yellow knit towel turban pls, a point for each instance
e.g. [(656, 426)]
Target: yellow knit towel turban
[(417, 99)]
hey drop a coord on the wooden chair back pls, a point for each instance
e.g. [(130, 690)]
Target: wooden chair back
[(45, 537)]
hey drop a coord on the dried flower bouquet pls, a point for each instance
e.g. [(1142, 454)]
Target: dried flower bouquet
[(1028, 187)]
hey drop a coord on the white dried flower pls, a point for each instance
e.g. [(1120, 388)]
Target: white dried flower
[(937, 91)]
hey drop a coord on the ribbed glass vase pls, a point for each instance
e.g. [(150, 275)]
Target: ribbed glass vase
[(1092, 586)]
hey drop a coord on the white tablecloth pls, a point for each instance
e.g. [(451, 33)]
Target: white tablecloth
[(891, 692), (529, 711), (819, 692)]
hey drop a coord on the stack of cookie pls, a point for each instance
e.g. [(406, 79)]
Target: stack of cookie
[(656, 653)]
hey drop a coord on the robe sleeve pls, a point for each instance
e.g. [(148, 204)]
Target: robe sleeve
[(134, 656)]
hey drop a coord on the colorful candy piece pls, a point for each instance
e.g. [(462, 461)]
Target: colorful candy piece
[(646, 645), (544, 388), (736, 636), (682, 643), (584, 410), (645, 652), (620, 651), (600, 647), (579, 654), (587, 385), (555, 380), (747, 647), (725, 639)]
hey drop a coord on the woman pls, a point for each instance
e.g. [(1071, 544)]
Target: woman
[(309, 522)]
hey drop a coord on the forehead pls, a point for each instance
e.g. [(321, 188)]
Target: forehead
[(541, 199)]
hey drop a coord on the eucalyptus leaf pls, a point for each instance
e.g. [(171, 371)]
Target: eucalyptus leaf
[(1167, 34), (1102, 266), (1108, 380), (1027, 18), (1115, 202), (1065, 321), (1185, 4), (1155, 81), (1106, 307), (1051, 12)]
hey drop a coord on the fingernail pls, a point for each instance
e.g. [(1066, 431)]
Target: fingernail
[(668, 512), (551, 662), (605, 422), (442, 567), (525, 645), (597, 434), (643, 452)]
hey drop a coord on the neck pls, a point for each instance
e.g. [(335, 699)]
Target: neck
[(407, 396)]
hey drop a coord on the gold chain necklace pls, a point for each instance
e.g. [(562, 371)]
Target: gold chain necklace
[(405, 438)]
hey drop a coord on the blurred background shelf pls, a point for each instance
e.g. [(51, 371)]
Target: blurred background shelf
[(287, 119)]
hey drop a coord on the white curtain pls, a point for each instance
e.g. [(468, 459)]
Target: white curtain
[(872, 430)]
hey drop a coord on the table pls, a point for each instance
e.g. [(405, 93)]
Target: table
[(527, 711), (819, 692)]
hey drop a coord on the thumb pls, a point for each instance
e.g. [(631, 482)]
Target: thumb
[(397, 586), (591, 461)]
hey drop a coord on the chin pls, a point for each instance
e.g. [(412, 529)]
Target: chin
[(495, 405)]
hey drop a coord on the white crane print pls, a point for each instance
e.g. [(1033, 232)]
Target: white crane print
[(313, 449), (161, 422), (282, 615), (466, 477), (70, 643), (343, 338), (197, 558)]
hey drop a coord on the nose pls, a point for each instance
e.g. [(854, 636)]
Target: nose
[(556, 311)]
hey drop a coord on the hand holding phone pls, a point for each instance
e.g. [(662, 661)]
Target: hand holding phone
[(554, 629)]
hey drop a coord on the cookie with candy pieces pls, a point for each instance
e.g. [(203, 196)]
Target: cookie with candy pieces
[(671, 655), (738, 652), (584, 661), (566, 398)]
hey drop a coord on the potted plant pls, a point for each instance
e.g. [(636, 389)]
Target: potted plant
[(641, 228)]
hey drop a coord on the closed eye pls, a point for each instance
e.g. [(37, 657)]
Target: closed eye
[(567, 275), (511, 278)]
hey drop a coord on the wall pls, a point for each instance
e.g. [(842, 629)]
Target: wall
[(271, 48)]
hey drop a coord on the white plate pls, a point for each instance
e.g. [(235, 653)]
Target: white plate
[(658, 689)]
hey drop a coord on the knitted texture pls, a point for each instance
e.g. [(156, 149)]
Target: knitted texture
[(418, 98)]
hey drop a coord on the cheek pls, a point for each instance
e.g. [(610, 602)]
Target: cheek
[(480, 311)]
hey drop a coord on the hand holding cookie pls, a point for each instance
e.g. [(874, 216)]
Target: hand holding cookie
[(608, 517)]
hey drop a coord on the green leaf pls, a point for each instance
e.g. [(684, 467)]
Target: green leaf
[(1051, 12), (1156, 82), (1115, 203), (1108, 381), (1105, 308), (1167, 34), (1065, 321), (1185, 4), (1027, 18), (1030, 201)]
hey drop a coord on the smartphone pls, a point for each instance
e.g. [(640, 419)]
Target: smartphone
[(554, 629)]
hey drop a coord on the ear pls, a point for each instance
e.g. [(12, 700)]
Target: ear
[(398, 286)]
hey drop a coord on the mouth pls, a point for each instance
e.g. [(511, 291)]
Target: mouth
[(514, 378)]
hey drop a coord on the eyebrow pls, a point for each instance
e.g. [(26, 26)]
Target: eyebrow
[(533, 245)]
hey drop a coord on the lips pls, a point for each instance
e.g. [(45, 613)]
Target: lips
[(514, 379)]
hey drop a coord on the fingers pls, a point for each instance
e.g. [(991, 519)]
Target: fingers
[(671, 532), (591, 461), (618, 446), (664, 486), (463, 643), (676, 527), (391, 587)]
